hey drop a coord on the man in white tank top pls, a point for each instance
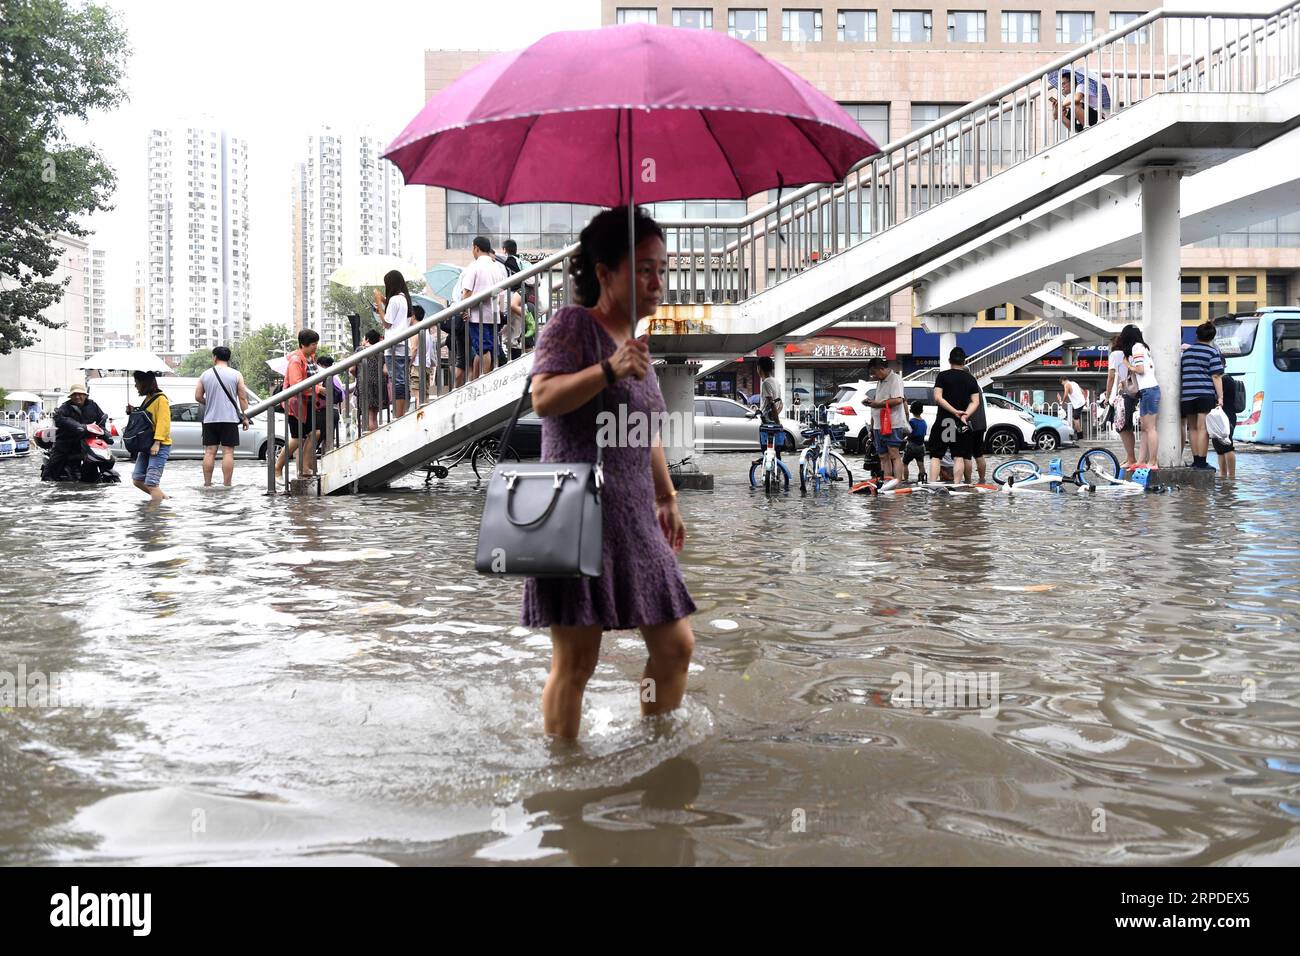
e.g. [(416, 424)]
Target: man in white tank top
[(221, 419)]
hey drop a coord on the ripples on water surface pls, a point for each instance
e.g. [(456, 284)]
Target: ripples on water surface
[(329, 681)]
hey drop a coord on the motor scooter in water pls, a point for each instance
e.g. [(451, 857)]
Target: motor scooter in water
[(91, 462)]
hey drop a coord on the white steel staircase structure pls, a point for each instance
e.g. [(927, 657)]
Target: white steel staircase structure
[(954, 193), (1014, 351)]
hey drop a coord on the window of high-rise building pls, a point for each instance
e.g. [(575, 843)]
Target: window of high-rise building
[(747, 25), (966, 26), (693, 18), (801, 26), (856, 26), (912, 26), (1118, 20), (1074, 27), (547, 226), (637, 15), (873, 118)]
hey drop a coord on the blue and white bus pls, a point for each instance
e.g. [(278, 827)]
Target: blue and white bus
[(1262, 349)]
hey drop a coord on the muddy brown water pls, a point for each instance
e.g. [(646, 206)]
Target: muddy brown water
[(237, 679)]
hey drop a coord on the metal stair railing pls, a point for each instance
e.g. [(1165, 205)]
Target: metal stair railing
[(723, 260), (1104, 307), (990, 358), (726, 260)]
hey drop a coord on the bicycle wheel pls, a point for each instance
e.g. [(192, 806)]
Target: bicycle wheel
[(486, 454), (837, 469), (1100, 461), (754, 471), (1015, 470), (805, 468), (785, 473)]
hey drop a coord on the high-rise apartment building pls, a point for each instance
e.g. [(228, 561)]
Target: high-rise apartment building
[(346, 203), (140, 308), (894, 67), (95, 301), (196, 268)]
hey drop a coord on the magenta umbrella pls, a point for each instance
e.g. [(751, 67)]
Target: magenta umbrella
[(624, 114)]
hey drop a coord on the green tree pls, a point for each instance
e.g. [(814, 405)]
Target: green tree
[(195, 364), (250, 355), (58, 61), (344, 300)]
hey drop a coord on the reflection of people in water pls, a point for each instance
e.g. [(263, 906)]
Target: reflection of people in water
[(661, 840)]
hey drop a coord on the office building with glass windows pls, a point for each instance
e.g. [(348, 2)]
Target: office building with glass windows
[(895, 68)]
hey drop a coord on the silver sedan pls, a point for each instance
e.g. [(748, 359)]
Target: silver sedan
[(725, 425)]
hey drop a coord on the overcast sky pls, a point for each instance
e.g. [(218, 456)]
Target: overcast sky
[(272, 71)]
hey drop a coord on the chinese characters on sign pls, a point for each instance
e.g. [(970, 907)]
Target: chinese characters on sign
[(846, 351)]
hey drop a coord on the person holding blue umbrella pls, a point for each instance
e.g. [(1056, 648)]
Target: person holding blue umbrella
[(1085, 100)]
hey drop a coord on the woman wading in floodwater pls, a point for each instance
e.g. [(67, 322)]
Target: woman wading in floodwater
[(584, 351)]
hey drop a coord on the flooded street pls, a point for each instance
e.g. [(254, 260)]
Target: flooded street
[(328, 680)]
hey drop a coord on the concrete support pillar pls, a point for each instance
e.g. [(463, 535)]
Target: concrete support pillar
[(1162, 300), (947, 326), (947, 342), (677, 383), (778, 359)]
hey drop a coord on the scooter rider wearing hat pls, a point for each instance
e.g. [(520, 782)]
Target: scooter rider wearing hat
[(70, 421)]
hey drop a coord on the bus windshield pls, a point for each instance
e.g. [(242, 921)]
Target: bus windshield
[(1235, 335), (1286, 345)]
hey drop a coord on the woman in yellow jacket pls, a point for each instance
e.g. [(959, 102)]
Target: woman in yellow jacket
[(149, 468)]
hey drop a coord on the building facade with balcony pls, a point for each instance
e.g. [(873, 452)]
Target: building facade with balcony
[(346, 202), (51, 363), (195, 273), (95, 301)]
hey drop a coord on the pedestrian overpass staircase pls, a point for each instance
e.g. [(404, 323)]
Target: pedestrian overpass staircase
[(1016, 350), (941, 210), (1068, 313)]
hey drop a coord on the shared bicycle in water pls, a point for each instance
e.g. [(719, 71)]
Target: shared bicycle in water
[(819, 464), (1098, 472)]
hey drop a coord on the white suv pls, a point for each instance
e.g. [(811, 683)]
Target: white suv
[(1008, 430)]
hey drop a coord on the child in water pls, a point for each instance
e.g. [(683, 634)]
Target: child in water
[(914, 447)]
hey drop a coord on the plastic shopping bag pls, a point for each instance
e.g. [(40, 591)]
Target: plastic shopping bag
[(1216, 423)]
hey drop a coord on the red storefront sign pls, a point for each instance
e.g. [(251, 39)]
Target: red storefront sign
[(846, 345)]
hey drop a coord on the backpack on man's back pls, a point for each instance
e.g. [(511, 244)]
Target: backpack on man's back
[(1234, 394)]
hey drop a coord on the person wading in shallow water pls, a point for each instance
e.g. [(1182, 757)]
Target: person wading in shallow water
[(585, 351)]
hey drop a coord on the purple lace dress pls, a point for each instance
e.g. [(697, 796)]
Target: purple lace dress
[(641, 583)]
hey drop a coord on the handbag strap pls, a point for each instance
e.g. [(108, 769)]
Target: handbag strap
[(233, 404), (519, 407), (558, 477)]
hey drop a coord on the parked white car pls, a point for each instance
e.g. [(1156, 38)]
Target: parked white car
[(1009, 430), (722, 424), (111, 395)]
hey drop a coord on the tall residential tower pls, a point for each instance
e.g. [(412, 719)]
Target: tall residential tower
[(196, 267), (346, 203)]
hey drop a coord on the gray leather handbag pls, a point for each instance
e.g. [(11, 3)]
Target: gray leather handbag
[(542, 520)]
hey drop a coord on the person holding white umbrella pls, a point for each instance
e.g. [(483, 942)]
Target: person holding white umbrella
[(126, 360), (394, 307)]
